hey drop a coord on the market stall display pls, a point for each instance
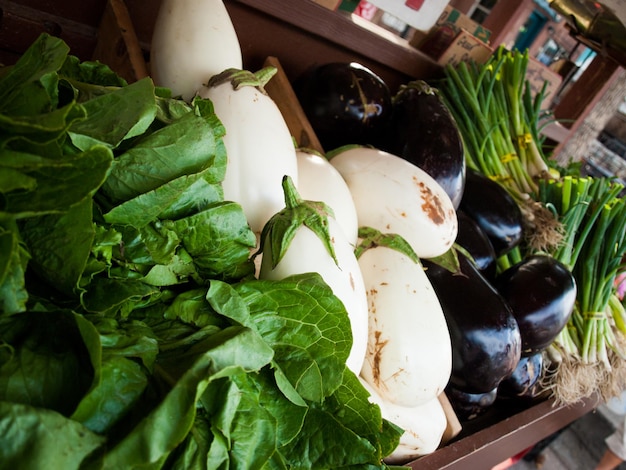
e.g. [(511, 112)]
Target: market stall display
[(159, 289)]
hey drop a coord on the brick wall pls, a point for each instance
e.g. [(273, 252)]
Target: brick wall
[(578, 143), (617, 126)]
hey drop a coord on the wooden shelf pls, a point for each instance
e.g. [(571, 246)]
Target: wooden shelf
[(503, 432), (302, 33)]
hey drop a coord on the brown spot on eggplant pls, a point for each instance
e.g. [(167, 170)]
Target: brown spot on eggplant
[(432, 205), (379, 345)]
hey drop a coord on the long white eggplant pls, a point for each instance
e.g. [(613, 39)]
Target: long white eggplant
[(258, 143), (409, 352), (319, 246), (192, 40), (318, 180), (423, 425), (395, 196)]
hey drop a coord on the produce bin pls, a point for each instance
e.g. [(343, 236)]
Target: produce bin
[(299, 33)]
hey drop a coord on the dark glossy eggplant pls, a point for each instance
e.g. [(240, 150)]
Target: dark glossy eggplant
[(423, 131), (522, 381), (468, 406), (472, 238), (346, 103), (486, 342), (494, 210), (541, 292)]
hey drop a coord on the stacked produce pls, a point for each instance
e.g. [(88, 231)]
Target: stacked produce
[(573, 230), (590, 352), (545, 243), (181, 287), (408, 359)]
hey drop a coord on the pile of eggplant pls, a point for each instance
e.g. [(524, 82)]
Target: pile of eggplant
[(500, 320)]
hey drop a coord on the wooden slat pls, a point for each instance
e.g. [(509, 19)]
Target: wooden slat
[(346, 31), (585, 91), (117, 45), (20, 25), (494, 444)]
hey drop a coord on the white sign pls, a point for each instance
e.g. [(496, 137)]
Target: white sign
[(419, 14)]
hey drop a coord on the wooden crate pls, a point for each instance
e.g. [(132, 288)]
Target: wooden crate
[(300, 33)]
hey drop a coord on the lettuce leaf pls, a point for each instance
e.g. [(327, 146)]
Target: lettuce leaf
[(304, 323), (133, 333), (187, 145), (33, 437), (31, 85), (51, 359), (105, 124), (157, 435)]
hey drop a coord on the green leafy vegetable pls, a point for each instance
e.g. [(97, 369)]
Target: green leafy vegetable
[(133, 333), (104, 124), (48, 363), (33, 437), (311, 344), (371, 238)]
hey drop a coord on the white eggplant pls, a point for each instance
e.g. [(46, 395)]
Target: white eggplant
[(423, 425), (192, 40), (409, 352), (258, 143), (308, 251), (318, 180), (395, 196)]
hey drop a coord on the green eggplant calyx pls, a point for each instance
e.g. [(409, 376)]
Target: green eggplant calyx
[(283, 226), (239, 78), (371, 238)]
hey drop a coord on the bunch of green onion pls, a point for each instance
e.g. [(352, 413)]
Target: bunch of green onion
[(580, 221), (594, 217), (498, 117)]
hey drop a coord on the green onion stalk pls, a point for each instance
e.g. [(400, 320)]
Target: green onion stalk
[(591, 349), (524, 123), (498, 119)]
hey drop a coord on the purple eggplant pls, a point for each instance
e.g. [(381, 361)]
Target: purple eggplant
[(524, 379), (473, 239), (468, 406), (541, 292), (346, 103), (423, 131), (486, 342), (494, 210)]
